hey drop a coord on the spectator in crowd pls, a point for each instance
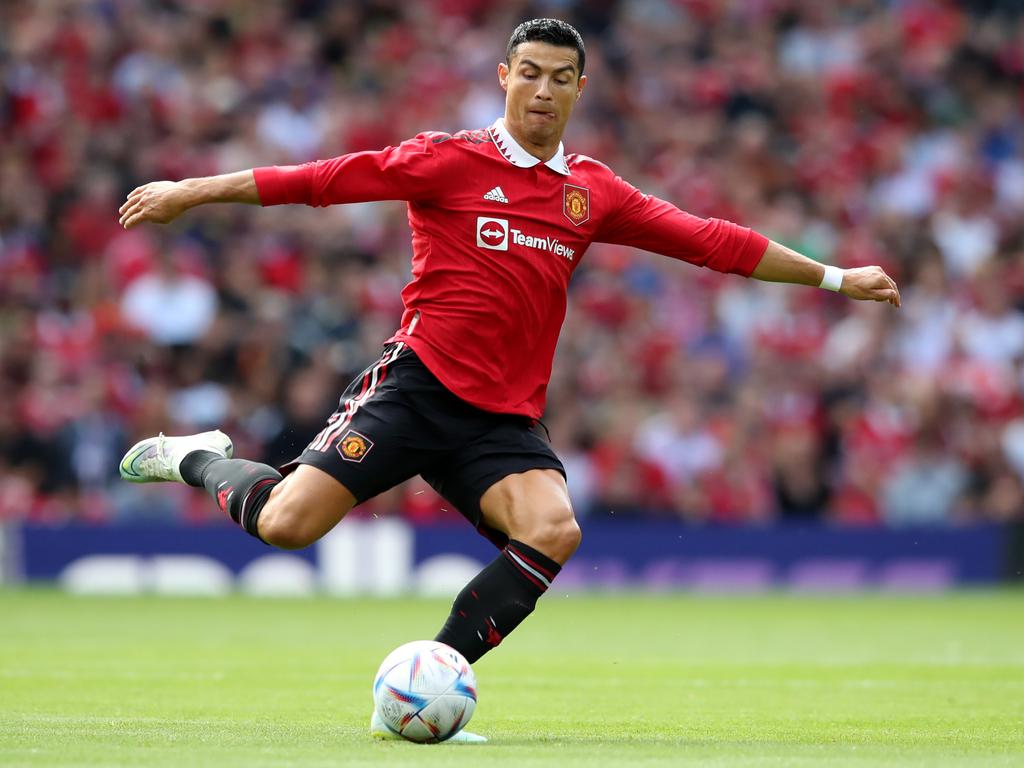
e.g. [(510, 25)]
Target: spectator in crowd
[(927, 485), (169, 305), (860, 133)]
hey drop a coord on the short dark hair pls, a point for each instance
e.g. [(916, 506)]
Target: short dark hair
[(551, 31)]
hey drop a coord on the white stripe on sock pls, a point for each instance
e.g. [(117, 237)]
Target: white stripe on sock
[(529, 568)]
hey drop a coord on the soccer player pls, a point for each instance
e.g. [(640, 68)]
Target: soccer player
[(500, 219)]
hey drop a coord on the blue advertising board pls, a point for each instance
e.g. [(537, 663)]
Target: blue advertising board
[(391, 556)]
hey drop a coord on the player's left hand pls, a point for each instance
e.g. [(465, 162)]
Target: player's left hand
[(870, 284)]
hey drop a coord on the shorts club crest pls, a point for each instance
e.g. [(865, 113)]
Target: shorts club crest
[(354, 446)]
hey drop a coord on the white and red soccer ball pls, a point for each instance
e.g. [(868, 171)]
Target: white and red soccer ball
[(425, 691)]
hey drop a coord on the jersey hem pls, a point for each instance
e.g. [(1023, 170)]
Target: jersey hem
[(433, 364)]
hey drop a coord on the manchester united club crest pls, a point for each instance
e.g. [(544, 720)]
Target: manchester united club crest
[(354, 446), (577, 204)]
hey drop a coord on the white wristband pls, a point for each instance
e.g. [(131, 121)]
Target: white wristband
[(833, 279)]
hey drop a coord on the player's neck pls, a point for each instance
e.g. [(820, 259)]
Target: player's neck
[(543, 149)]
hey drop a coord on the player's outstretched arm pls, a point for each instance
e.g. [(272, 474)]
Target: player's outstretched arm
[(784, 265), (161, 202)]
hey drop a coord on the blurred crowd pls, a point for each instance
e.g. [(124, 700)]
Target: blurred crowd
[(855, 131)]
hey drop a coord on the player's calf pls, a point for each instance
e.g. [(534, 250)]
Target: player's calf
[(241, 488), (290, 512), (497, 600), (534, 510)]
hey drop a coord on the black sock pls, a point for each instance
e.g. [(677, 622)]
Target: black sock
[(193, 464), (240, 487), (497, 600)]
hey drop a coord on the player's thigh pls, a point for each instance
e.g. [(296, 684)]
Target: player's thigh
[(304, 506), (509, 483), (533, 507)]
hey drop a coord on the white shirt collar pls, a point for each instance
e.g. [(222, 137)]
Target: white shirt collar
[(518, 156)]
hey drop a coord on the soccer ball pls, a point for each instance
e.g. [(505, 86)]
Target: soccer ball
[(425, 691)]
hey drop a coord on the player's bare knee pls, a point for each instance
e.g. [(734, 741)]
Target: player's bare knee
[(284, 526), (568, 539), (556, 534), (305, 506)]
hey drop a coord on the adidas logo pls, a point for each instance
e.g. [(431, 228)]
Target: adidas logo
[(496, 195)]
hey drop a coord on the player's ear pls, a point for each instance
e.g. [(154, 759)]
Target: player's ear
[(579, 86), (503, 75)]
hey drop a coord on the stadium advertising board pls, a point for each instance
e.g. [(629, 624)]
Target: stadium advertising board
[(388, 557)]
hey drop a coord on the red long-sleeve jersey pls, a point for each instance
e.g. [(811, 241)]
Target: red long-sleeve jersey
[(496, 235)]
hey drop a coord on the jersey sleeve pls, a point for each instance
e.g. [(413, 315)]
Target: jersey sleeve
[(651, 224), (411, 171)]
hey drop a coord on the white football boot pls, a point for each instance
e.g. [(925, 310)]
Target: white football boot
[(379, 730), (157, 459)]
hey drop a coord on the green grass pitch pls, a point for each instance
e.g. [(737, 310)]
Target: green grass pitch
[(633, 680)]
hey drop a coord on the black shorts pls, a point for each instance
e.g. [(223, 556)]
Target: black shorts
[(396, 420)]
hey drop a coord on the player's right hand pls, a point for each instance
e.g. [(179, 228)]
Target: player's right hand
[(158, 202), (870, 284)]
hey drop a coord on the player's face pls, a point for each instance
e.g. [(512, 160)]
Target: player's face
[(542, 84)]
